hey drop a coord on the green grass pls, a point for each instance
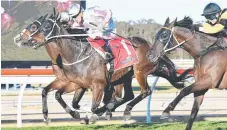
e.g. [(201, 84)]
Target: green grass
[(203, 125)]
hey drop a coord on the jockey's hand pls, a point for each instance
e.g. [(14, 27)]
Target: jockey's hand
[(64, 17)]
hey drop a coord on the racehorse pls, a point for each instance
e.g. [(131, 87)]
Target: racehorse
[(61, 81), (91, 72), (210, 62)]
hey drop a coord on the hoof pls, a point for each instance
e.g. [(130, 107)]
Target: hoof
[(94, 118), (75, 114), (127, 115), (77, 107), (110, 106), (108, 115), (47, 121), (85, 121), (165, 115)]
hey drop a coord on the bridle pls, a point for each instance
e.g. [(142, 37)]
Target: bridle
[(165, 50)]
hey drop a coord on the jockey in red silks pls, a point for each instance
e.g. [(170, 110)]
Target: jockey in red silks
[(98, 20), (104, 27)]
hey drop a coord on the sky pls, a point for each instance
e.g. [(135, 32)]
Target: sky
[(159, 10)]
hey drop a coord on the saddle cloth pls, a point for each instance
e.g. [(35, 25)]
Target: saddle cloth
[(122, 49)]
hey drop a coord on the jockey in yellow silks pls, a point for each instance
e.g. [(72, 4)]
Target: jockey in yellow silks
[(216, 20)]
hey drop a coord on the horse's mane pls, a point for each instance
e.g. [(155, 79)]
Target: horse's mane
[(204, 38), (187, 22)]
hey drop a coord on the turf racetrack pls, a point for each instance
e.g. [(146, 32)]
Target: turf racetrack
[(203, 125)]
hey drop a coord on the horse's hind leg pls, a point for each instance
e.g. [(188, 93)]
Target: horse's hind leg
[(145, 91), (77, 97), (198, 99), (58, 97)]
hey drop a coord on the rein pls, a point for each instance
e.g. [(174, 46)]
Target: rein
[(47, 38)]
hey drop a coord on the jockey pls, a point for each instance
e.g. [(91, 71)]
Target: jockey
[(101, 25), (216, 20), (73, 16)]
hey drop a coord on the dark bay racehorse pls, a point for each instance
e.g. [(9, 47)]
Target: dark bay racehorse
[(89, 72), (210, 64), (61, 81)]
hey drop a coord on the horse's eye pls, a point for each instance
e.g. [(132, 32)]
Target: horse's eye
[(164, 36), (33, 28)]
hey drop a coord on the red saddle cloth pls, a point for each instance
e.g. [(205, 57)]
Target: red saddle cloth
[(226, 39), (122, 49)]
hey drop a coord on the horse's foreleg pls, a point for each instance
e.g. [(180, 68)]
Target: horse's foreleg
[(201, 85), (58, 97), (172, 71), (145, 91), (77, 97), (128, 95), (197, 102), (97, 93), (184, 75), (44, 102)]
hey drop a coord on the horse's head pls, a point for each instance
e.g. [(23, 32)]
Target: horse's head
[(162, 40), (171, 36), (48, 30), (25, 37)]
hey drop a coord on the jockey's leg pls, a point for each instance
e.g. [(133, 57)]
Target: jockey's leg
[(109, 55)]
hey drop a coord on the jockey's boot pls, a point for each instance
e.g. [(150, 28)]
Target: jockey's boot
[(109, 57)]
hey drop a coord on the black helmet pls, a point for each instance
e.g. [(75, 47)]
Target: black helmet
[(210, 9)]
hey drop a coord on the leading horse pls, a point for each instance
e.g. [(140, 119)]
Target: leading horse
[(60, 81), (210, 62)]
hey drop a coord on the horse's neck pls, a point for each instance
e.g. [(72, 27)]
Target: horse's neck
[(53, 51), (198, 43), (70, 49)]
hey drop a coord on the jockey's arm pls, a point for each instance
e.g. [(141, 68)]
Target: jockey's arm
[(107, 17), (207, 28)]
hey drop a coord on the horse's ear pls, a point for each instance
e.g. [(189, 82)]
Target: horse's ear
[(172, 24), (54, 11), (51, 16), (166, 22), (43, 19), (40, 18)]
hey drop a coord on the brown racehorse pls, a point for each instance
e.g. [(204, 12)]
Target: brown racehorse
[(61, 81), (210, 66), (93, 75)]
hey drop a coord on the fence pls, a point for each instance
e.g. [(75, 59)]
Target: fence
[(45, 76)]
